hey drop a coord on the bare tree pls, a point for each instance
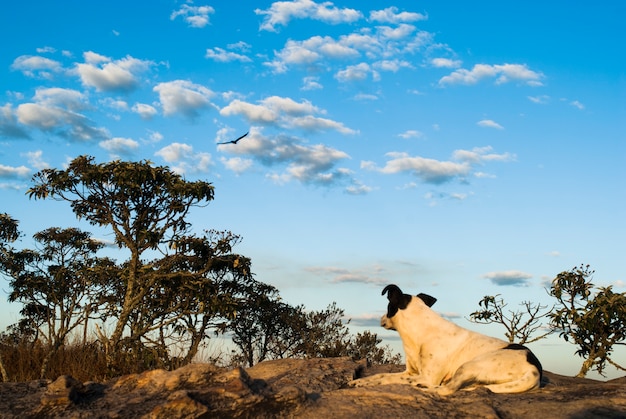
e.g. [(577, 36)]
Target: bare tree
[(520, 325)]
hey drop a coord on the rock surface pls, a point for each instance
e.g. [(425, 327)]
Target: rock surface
[(312, 388)]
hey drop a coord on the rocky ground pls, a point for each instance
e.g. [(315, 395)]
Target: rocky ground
[(312, 388)]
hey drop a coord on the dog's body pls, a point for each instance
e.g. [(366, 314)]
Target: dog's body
[(445, 357)]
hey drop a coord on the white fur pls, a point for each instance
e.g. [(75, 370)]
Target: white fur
[(444, 357)]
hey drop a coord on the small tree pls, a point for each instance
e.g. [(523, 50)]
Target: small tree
[(518, 330), (59, 284), (594, 323)]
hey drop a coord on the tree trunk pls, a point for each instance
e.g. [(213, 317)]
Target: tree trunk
[(585, 368)]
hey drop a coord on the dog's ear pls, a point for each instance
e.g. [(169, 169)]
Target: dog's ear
[(427, 299), (397, 299)]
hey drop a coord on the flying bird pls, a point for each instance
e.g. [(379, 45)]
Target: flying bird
[(234, 141)]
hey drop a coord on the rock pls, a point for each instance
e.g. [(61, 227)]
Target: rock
[(311, 388)]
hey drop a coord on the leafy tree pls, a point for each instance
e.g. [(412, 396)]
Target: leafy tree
[(58, 284), (518, 330), (268, 328), (594, 323), (146, 206), (257, 328), (366, 346)]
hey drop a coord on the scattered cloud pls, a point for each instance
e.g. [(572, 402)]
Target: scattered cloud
[(541, 99), (291, 157), (284, 112), (223, 56), (411, 134), (281, 13), (184, 160), (144, 110), (503, 73), (55, 110), (436, 171), (183, 97), (36, 160), (391, 15), (36, 66), (14, 172), (374, 275), (385, 48), (311, 83), (577, 104), (118, 146), (445, 63), (107, 75), (488, 123), (504, 278), (195, 16)]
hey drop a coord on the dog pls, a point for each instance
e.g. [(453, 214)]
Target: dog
[(443, 357)]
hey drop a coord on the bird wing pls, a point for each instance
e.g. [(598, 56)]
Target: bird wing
[(234, 141)]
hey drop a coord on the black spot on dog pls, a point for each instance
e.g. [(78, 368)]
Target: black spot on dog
[(530, 357), (397, 299), (427, 299)]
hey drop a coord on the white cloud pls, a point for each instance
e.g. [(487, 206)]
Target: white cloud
[(184, 159), (359, 72), (503, 73), (445, 63), (295, 160), (284, 112), (391, 15), (58, 120), (195, 16), (281, 12), (223, 56), (67, 98), (410, 134), (428, 170), (36, 66), (107, 75), (542, 99), (436, 171), (184, 97), (481, 154), (311, 83), (13, 172), (516, 278), (119, 146), (237, 164), (488, 123), (577, 104), (144, 110), (36, 160)]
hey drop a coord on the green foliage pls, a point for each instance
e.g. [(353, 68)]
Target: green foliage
[(518, 330), (594, 323), (268, 328), (58, 284)]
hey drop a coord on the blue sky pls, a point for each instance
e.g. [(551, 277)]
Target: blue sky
[(459, 149)]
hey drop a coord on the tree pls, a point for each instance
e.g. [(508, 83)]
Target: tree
[(268, 328), (594, 323), (146, 206), (256, 328), (58, 283), (517, 330)]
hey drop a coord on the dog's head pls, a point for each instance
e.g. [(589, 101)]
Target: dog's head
[(400, 301)]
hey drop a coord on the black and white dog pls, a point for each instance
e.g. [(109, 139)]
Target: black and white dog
[(444, 357)]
